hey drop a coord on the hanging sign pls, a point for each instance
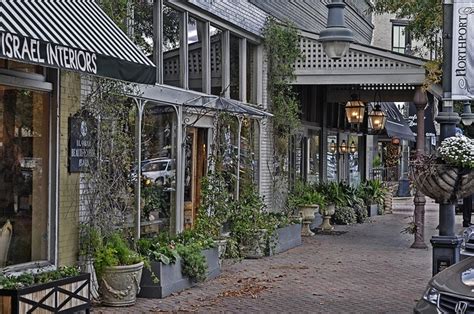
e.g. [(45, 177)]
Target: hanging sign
[(462, 73), (82, 143)]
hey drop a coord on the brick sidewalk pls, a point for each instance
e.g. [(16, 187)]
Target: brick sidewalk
[(369, 269)]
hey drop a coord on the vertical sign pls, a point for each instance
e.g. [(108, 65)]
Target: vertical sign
[(82, 144), (463, 50)]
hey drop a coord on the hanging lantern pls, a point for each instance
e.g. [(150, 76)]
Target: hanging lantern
[(343, 147), (377, 118), (355, 111), (353, 147), (332, 147), (395, 141)]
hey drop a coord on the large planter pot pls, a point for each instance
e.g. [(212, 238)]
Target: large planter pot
[(444, 183), (119, 285), (327, 214), (69, 295), (221, 246), (307, 214), (286, 238), (171, 278)]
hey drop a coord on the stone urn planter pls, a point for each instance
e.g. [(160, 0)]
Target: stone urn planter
[(327, 214), (307, 214), (119, 285), (221, 245), (445, 183)]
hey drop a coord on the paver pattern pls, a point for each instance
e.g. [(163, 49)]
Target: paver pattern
[(368, 269)]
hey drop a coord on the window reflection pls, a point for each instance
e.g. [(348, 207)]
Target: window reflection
[(195, 53), (234, 67), (313, 169), (332, 158), (24, 159), (171, 44), (216, 61)]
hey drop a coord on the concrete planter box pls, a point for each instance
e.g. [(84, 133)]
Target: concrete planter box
[(287, 238), (372, 210), (171, 278), (284, 239)]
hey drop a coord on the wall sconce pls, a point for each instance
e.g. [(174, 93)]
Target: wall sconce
[(343, 147), (332, 147), (355, 110), (377, 118), (467, 117), (353, 147)]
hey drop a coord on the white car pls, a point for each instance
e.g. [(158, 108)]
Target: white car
[(159, 170)]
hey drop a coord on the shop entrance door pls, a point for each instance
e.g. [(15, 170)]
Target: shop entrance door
[(195, 170)]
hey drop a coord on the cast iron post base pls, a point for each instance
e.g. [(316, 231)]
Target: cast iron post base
[(446, 251)]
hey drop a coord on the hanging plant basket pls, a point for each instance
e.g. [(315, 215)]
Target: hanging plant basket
[(444, 183)]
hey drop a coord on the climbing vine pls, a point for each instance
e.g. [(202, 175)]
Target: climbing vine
[(282, 51)]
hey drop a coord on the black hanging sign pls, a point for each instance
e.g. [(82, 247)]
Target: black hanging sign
[(82, 143)]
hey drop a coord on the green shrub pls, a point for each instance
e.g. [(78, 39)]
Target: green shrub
[(361, 213), (193, 261), (345, 216)]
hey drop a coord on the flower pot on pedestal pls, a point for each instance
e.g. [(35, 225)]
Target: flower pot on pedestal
[(327, 214), (307, 214)]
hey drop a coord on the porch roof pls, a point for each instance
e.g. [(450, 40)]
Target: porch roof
[(361, 65)]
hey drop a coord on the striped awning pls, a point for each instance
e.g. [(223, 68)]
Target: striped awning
[(74, 35)]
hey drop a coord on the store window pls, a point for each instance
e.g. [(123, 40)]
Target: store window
[(234, 67), (216, 60), (24, 175), (195, 53), (313, 154), (171, 44), (332, 158)]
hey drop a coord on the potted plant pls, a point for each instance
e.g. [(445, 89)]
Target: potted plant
[(32, 292), (119, 271), (449, 175), (334, 196), (373, 194), (308, 200)]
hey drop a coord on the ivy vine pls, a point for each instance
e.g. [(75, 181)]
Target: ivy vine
[(282, 51)]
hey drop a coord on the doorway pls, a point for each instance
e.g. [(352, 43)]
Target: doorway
[(195, 170)]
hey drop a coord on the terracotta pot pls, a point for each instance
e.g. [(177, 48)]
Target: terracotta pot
[(445, 183)]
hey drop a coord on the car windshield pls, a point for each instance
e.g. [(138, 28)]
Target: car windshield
[(155, 166)]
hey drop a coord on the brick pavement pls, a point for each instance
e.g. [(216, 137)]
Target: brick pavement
[(369, 269)]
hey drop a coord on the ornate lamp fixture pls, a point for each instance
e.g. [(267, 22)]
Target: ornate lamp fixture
[(353, 147), (395, 141), (377, 118), (336, 38), (343, 149), (355, 110), (467, 117), (332, 147)]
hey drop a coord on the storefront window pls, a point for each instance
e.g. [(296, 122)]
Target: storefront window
[(251, 73), (216, 60), (332, 158), (195, 53), (234, 67), (313, 150), (159, 166), (171, 44), (24, 174), (354, 172)]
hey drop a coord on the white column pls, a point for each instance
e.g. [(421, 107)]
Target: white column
[(225, 63), (158, 39), (206, 58), (183, 51), (243, 69)]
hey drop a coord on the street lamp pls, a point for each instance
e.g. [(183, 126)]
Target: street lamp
[(336, 38), (467, 117), (332, 147), (420, 99), (353, 147), (343, 147)]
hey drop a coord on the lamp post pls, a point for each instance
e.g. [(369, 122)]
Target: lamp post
[(467, 117), (446, 245), (420, 101)]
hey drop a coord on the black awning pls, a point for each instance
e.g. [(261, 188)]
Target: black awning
[(396, 125), (72, 35)]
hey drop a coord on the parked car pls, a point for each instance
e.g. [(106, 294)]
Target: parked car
[(159, 170), (451, 290)]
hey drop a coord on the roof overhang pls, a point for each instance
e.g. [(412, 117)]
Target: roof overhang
[(71, 35), (361, 65)]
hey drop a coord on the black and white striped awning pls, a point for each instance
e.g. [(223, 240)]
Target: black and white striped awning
[(74, 35)]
